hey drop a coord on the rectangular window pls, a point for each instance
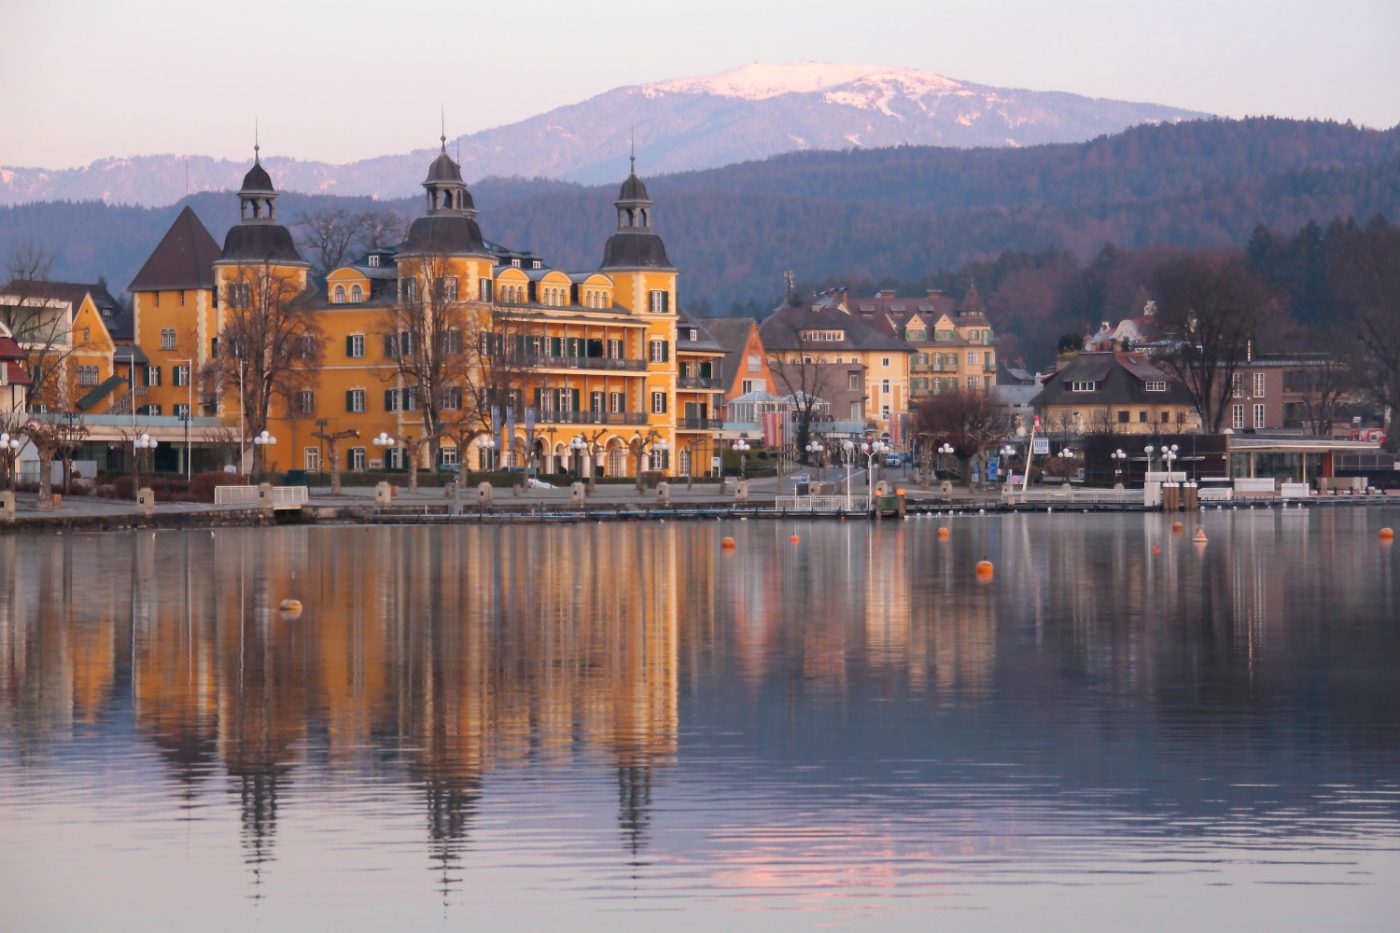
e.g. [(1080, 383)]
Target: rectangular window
[(452, 399), (885, 362), (407, 289), (449, 288), (182, 375), (355, 401), (884, 413), (1080, 386), (614, 349), (755, 363), (311, 459), (307, 346), (1156, 387), (595, 402), (973, 357), (153, 410), (615, 402), (1258, 385), (974, 382), (1258, 416), (486, 289), (746, 386), (306, 401), (884, 387), (152, 375), (357, 459), (167, 338), (1237, 385), (182, 410), (660, 351), (660, 302), (853, 382), (658, 403), (391, 399), (355, 346), (1237, 417), (448, 455), (1142, 416), (1122, 417)]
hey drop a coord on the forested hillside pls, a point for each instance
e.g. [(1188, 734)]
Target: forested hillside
[(877, 215)]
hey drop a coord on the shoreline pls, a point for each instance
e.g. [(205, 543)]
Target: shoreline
[(357, 510)]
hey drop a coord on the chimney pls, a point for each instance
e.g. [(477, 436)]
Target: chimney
[(885, 293)]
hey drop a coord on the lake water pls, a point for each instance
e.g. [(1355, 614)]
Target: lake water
[(624, 726)]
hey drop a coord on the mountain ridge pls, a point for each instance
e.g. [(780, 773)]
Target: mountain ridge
[(751, 112)]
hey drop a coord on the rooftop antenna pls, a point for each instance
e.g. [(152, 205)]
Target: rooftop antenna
[(256, 146), (442, 115), (632, 155)]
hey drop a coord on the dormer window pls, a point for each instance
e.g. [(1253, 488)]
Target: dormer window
[(694, 334), (1083, 386), (1156, 387), (515, 262), (535, 264), (374, 260)]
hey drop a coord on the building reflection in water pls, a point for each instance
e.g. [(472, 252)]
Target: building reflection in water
[(440, 657)]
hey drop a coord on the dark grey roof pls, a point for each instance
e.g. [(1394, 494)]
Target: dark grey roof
[(628, 249), (633, 189), (257, 181), (259, 242), (443, 169), (703, 341), (781, 329), (1122, 379), (445, 234), (731, 333), (130, 353), (184, 258), (116, 317)]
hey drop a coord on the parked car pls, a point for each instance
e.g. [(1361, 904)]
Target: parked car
[(894, 460), (453, 468)]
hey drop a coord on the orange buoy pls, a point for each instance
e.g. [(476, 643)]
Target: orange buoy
[(727, 544), (794, 539), (1200, 536), (984, 569), (291, 608), (943, 532), (1176, 528), (1387, 534)]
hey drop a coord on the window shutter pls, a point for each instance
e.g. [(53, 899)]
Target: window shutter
[(665, 351), (349, 346), (350, 400), (575, 406), (389, 400)]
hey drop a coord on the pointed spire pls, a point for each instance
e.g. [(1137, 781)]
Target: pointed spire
[(442, 114), (632, 153), (257, 146)]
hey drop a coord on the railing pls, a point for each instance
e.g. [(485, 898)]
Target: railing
[(810, 503), (592, 417), (700, 424), (699, 382), (283, 497), (544, 361)]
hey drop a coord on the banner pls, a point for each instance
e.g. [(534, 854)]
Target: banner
[(773, 428)]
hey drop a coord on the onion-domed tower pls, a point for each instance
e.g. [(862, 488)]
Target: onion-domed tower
[(450, 228), (635, 256), (258, 237)]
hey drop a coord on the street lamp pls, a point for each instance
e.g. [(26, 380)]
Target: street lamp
[(742, 445), (815, 449), (1168, 457), (872, 450), (1118, 456), (9, 450), (484, 443), (260, 443), (848, 456), (578, 445), (1007, 452), (945, 450), (384, 441), (143, 443)]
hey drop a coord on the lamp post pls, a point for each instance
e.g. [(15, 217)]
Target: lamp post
[(1168, 457), (816, 449), (384, 442), (742, 445), (578, 445), (9, 450), (321, 432), (484, 443), (1066, 455), (260, 444), (848, 455), (1118, 456), (872, 450), (944, 450), (1149, 450), (139, 446), (1007, 452)]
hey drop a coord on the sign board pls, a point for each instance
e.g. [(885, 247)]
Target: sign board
[(1040, 447), (714, 463), (992, 469)]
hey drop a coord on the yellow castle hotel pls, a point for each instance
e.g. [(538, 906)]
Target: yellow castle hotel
[(526, 365)]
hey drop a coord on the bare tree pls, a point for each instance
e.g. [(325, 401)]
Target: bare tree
[(1210, 311), (972, 422), (427, 335), (270, 346), (44, 330), (331, 237), (333, 439), (1365, 272), (639, 447)]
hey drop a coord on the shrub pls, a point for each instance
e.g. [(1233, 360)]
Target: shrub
[(201, 488)]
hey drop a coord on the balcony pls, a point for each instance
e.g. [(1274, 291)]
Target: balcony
[(699, 382), (606, 363), (593, 417), (700, 424)]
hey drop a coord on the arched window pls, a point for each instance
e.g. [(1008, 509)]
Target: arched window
[(357, 294), (339, 294)]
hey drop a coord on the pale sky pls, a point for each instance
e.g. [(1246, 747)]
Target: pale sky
[(339, 80)]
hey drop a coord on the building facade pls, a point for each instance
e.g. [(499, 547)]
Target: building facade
[(1113, 393)]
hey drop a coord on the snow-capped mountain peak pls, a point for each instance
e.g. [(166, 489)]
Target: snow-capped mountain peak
[(760, 81)]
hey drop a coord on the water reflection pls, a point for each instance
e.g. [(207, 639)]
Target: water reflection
[(819, 725)]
